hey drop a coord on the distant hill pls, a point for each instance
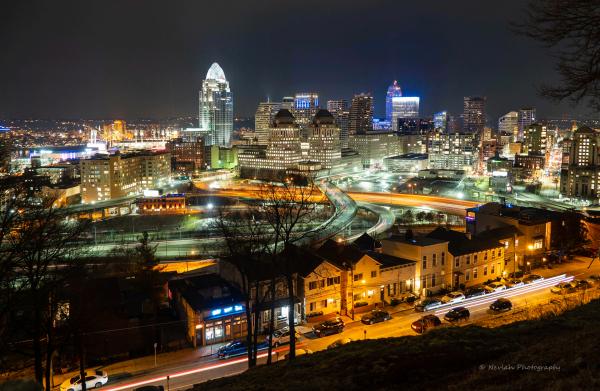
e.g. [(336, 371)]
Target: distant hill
[(564, 351)]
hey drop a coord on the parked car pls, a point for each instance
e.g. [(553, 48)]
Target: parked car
[(532, 278), (93, 379), (595, 277), (517, 274), (582, 284), (564, 288), (238, 348), (501, 305), (427, 304), (150, 388), (453, 297), (339, 342), (375, 316), (332, 326), (425, 323), (495, 287), (456, 314), (475, 292), (281, 337), (514, 282)]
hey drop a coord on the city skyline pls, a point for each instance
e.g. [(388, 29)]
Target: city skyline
[(110, 74)]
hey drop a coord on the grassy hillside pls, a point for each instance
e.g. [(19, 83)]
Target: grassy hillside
[(454, 358)]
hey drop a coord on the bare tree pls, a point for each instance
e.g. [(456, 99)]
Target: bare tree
[(288, 209), (572, 29)]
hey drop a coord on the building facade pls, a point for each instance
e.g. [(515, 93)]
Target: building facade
[(216, 107), (265, 113), (361, 115), (340, 111), (474, 114)]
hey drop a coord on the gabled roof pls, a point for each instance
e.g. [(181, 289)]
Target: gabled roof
[(460, 244), (367, 243), (308, 260), (340, 255), (199, 291), (387, 260), (422, 241)]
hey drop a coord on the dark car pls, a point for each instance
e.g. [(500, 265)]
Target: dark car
[(501, 305), (238, 348), (425, 323), (582, 284), (532, 278), (474, 292), (333, 326), (375, 316), (456, 314)]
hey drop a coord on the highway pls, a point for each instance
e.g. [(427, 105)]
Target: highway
[(183, 377)]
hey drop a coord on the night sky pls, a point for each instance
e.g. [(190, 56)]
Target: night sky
[(108, 59)]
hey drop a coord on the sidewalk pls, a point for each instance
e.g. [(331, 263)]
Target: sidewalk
[(577, 267), (141, 365)]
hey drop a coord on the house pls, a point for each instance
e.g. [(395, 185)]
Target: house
[(429, 255), (212, 307), (470, 261), (514, 245), (396, 275), (367, 243), (322, 287)]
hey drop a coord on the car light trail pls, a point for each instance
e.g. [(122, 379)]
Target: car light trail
[(510, 292)]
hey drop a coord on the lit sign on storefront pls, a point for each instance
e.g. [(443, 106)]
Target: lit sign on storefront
[(225, 311)]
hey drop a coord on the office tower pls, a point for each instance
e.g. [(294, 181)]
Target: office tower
[(324, 144), (265, 113), (474, 114), (187, 157), (393, 91), (535, 139), (287, 103), (456, 151), (404, 107), (361, 114), (114, 176), (526, 118), (440, 121), (339, 110), (306, 105), (216, 107), (509, 124)]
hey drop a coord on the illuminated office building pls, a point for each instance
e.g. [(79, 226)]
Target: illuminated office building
[(440, 121), (535, 139), (404, 107), (265, 113), (474, 114), (360, 115), (324, 144), (341, 114), (509, 124), (527, 117), (216, 107), (393, 91), (306, 105)]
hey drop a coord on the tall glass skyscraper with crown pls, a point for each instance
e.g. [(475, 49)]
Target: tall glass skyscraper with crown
[(216, 108)]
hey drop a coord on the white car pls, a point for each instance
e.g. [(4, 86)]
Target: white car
[(93, 379), (453, 297), (495, 287), (282, 336), (514, 282)]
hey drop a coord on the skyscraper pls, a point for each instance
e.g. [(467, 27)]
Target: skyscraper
[(440, 121), (526, 118), (404, 107), (535, 139), (474, 114), (393, 91), (339, 110), (306, 105), (509, 124), (216, 107), (324, 140), (361, 114), (263, 119)]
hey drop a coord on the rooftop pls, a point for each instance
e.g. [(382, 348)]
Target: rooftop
[(387, 260), (460, 244)]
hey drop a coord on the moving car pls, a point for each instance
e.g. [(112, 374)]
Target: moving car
[(332, 326), (238, 348), (375, 316), (564, 287), (281, 337), (456, 314), (514, 282), (475, 292), (453, 297), (532, 278), (425, 323), (501, 305), (495, 287), (339, 342), (427, 304), (93, 379)]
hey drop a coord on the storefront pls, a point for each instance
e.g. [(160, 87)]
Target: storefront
[(221, 324)]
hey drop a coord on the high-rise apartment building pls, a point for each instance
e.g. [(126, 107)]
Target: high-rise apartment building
[(393, 91), (527, 117), (361, 114), (509, 124), (455, 151), (580, 178), (339, 110), (187, 157), (216, 107), (105, 177), (306, 105), (324, 144), (474, 114), (265, 113)]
